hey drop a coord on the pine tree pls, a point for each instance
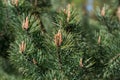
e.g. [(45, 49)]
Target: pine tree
[(44, 54), (58, 45), (110, 34)]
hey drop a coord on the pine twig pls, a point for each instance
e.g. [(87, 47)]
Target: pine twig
[(59, 57)]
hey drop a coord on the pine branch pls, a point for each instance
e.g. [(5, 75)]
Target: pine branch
[(59, 57), (114, 58)]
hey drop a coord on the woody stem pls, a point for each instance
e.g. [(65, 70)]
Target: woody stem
[(59, 57)]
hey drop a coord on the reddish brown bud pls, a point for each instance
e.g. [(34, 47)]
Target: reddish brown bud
[(25, 24), (103, 11), (22, 47), (58, 38), (15, 2)]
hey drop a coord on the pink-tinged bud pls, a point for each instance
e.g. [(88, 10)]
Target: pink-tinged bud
[(22, 47), (25, 24), (103, 11), (16, 2), (58, 38)]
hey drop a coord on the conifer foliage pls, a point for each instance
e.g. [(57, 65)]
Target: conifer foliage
[(5, 37), (68, 47), (45, 55)]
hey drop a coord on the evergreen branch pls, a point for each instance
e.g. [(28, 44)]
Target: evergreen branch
[(114, 58), (59, 57)]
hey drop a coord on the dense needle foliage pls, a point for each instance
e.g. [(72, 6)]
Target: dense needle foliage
[(43, 43)]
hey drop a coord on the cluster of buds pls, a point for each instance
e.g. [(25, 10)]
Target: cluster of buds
[(25, 24), (67, 11), (58, 38), (34, 61), (81, 62), (15, 2), (118, 13), (99, 39), (103, 11), (22, 47)]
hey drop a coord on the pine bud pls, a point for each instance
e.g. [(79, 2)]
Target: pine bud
[(118, 13), (15, 2), (34, 61), (99, 39), (64, 10), (68, 12), (25, 24), (22, 47), (58, 38), (103, 11), (81, 62)]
